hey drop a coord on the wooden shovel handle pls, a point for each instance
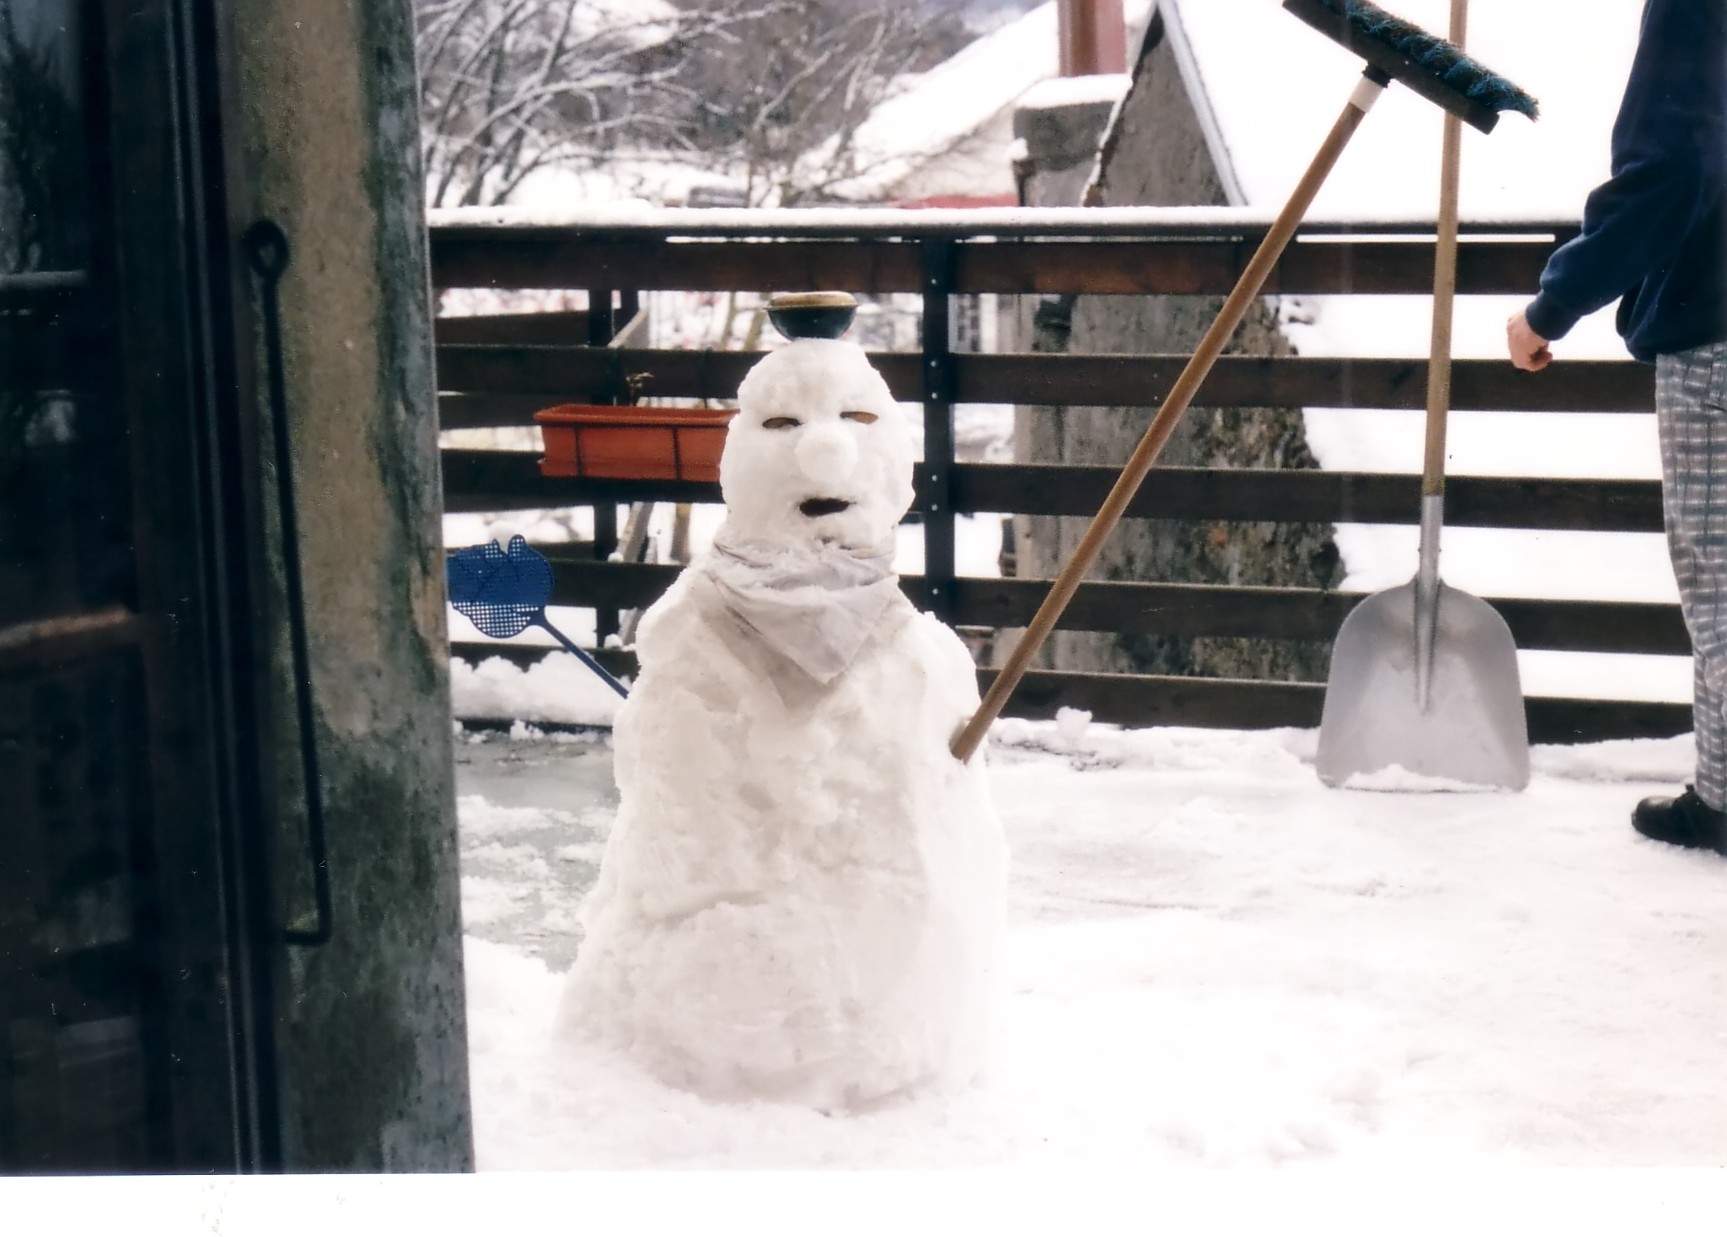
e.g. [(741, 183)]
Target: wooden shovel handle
[(1162, 426), (1444, 290)]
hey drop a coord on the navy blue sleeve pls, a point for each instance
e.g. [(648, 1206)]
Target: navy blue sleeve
[(1669, 153)]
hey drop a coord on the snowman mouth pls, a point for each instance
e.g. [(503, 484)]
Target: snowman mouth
[(815, 508)]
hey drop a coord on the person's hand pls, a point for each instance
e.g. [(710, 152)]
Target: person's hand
[(1528, 350)]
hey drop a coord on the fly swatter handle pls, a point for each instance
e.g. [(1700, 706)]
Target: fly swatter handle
[(587, 658)]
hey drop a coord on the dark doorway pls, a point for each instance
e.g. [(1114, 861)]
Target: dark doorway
[(133, 944)]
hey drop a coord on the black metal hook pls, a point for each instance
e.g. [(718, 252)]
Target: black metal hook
[(268, 252), (267, 249)]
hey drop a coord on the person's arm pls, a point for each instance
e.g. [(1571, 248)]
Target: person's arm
[(1669, 151), (1632, 226)]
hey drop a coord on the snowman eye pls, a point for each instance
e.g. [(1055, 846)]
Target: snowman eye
[(861, 417), (781, 423)]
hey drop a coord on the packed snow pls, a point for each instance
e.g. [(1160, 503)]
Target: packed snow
[(1198, 1203), (559, 688)]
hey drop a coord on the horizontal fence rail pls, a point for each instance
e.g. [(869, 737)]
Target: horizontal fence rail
[(1108, 268), (1166, 700), (1160, 700), (497, 370), (1101, 259), (473, 374), (1182, 609), (511, 481)]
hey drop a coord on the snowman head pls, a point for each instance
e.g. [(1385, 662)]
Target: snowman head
[(818, 451)]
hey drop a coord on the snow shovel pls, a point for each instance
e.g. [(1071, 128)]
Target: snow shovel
[(1393, 48), (1424, 677), (504, 592)]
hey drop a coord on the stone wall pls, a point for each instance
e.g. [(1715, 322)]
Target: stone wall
[(1157, 155)]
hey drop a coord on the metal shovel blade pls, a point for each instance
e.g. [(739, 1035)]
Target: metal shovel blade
[(1470, 729)]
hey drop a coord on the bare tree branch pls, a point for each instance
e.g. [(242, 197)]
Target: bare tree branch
[(745, 88)]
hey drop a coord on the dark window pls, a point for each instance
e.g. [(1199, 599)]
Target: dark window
[(73, 1076)]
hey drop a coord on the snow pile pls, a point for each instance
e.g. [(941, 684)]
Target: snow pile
[(559, 688), (538, 525), (1395, 778), (801, 897)]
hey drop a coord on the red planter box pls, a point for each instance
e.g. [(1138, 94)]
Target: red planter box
[(633, 444)]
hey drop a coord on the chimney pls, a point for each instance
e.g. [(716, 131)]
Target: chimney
[(1093, 37)]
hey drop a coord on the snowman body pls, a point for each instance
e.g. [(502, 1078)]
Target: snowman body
[(802, 896)]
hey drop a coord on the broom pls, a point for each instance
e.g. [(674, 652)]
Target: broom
[(1394, 50)]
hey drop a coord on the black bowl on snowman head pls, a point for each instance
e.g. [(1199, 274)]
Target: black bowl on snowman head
[(812, 315)]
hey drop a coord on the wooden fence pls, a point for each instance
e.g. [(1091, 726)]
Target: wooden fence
[(496, 374)]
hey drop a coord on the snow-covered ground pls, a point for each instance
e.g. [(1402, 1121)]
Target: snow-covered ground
[(1213, 961), (1195, 1203)]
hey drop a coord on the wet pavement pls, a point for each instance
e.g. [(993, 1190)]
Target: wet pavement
[(533, 815)]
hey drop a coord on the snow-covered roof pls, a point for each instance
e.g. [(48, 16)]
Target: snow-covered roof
[(642, 22), (939, 109), (1268, 86), (629, 182), (1069, 91)]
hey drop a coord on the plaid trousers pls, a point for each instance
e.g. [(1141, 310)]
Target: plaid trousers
[(1691, 410)]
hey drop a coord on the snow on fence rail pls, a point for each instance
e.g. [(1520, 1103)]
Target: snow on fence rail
[(498, 372)]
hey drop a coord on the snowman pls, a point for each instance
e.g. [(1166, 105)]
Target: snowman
[(802, 897)]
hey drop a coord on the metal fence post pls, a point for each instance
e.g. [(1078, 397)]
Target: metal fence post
[(937, 466), (601, 328)]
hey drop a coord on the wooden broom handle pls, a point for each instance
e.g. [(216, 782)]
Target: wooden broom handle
[(1162, 426), (1444, 289)]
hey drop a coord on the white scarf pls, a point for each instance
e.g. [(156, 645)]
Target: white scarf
[(814, 605)]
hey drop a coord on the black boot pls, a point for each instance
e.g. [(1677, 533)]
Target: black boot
[(1685, 821)]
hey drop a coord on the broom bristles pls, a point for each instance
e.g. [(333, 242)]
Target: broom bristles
[(1446, 61)]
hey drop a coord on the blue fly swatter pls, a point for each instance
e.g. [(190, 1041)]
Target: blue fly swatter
[(504, 592)]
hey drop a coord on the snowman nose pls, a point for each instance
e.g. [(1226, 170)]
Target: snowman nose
[(826, 454)]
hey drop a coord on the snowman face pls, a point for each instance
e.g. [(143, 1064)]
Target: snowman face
[(818, 451)]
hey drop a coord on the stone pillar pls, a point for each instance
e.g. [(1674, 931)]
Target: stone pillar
[(1060, 126), (322, 136)]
